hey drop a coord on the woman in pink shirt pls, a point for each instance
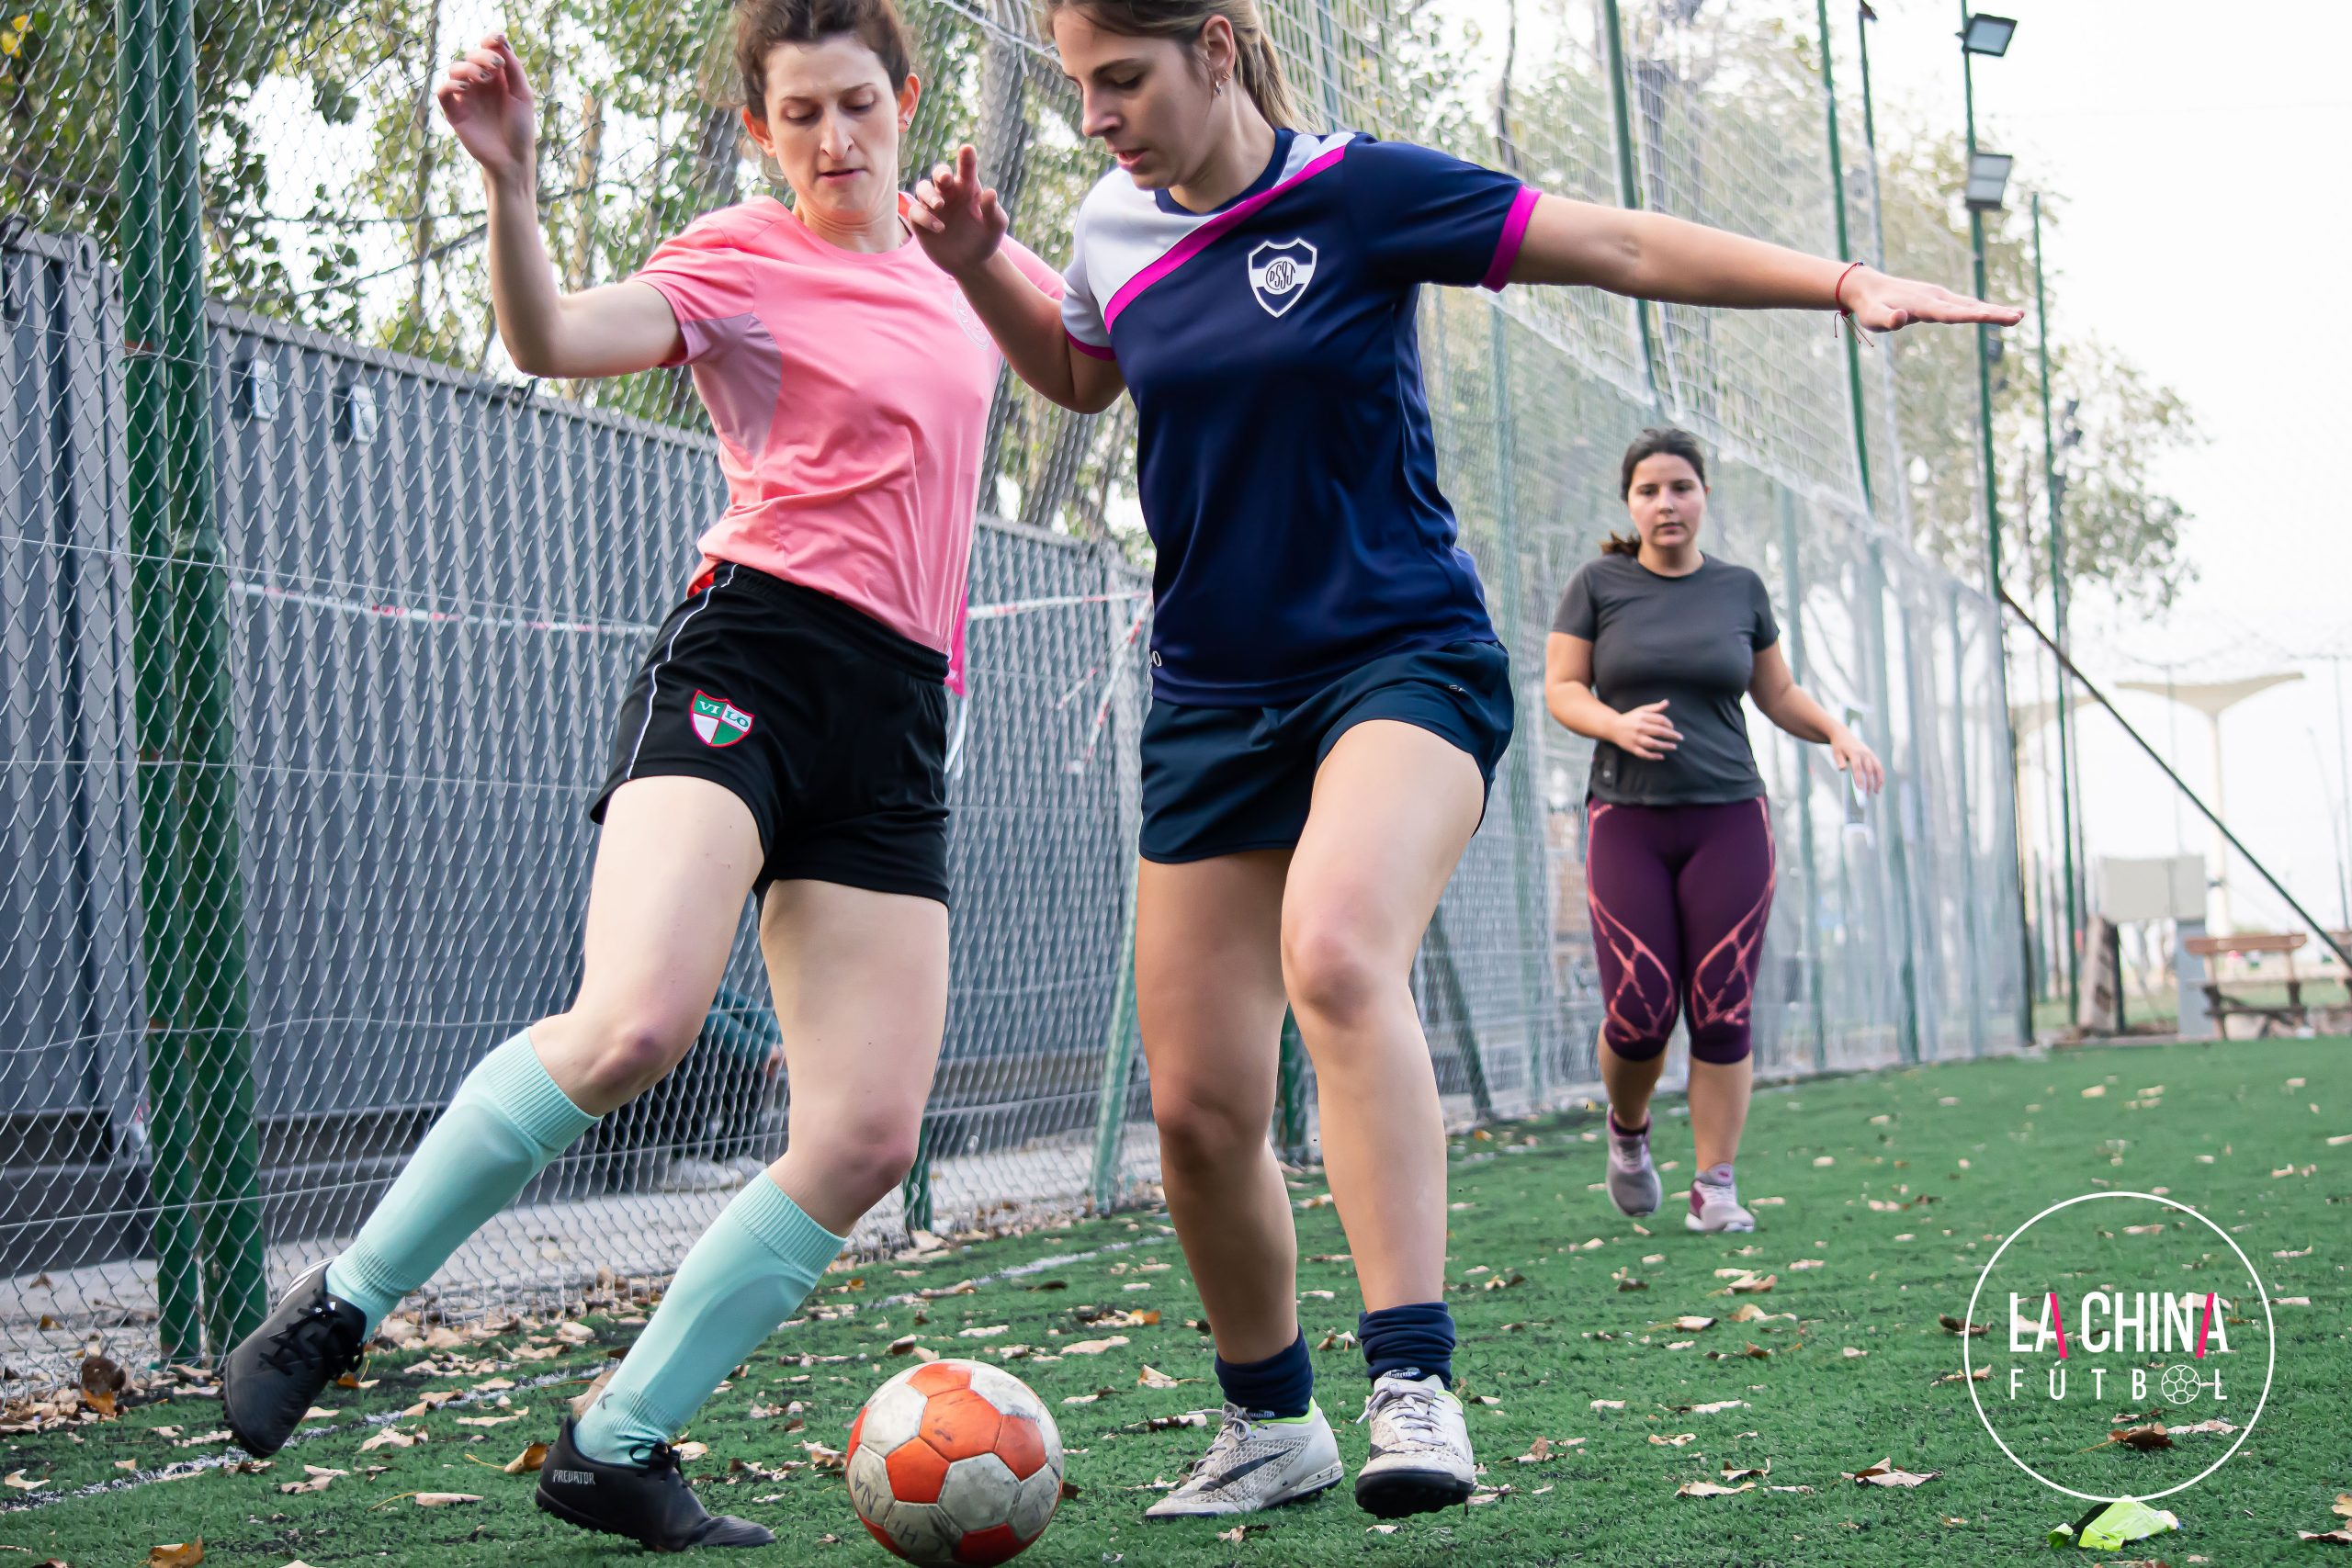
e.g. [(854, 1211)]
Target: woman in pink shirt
[(784, 737)]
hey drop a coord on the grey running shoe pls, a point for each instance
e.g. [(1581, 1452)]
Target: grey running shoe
[(1421, 1449), (1633, 1179), (1256, 1462), (1715, 1206)]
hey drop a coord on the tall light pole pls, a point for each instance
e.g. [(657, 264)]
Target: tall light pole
[(1988, 175), (1988, 178), (2053, 488)]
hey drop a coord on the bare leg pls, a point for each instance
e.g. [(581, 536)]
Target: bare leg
[(1395, 806), (1209, 1003)]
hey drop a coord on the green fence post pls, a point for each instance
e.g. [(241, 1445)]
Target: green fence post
[(172, 1172), (1531, 865), (1792, 595), (206, 856), (1975, 988), (1629, 186), (1120, 1039), (1290, 1105), (1118, 1065)]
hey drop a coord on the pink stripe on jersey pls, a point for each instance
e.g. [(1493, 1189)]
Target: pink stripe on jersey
[(1201, 237), (1523, 208)]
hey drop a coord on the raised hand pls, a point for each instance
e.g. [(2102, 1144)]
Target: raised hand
[(486, 101), (958, 220), (1645, 732), (1883, 303)]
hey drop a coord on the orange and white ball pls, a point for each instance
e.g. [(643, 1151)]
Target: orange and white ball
[(955, 1462)]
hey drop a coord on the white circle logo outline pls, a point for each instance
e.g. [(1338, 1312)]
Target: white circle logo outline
[(2269, 1369)]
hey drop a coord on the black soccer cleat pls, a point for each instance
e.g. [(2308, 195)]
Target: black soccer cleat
[(649, 1502), (276, 1373)]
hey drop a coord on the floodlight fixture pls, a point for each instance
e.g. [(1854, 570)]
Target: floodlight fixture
[(1988, 180), (1988, 35)]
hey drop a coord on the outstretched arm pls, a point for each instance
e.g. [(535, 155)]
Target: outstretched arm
[(1651, 256), (1779, 698), (609, 331), (962, 226)]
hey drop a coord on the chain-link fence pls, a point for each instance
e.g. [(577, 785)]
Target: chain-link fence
[(316, 618)]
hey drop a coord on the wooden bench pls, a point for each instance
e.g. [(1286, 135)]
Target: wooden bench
[(2276, 1017)]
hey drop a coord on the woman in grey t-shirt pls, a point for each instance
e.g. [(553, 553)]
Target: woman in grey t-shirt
[(1651, 651)]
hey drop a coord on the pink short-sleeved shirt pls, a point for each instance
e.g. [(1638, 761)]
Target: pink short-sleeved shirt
[(851, 393)]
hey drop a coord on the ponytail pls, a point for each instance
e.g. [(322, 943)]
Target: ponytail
[(1622, 545), (1258, 68)]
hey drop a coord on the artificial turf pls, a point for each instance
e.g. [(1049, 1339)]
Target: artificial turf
[(1533, 1296)]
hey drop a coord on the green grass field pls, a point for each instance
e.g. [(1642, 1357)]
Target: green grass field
[(1553, 1337)]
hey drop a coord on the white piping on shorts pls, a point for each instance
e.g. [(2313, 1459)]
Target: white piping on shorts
[(653, 674)]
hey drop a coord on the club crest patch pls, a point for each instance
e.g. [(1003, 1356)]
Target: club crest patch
[(1279, 272), (718, 721)]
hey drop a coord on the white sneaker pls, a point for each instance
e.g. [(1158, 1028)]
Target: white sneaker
[(1421, 1449), (1716, 1208), (1256, 1462)]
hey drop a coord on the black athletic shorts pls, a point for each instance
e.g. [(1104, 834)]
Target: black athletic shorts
[(831, 727), (1218, 781)]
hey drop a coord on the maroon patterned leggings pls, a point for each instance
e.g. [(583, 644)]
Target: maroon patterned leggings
[(1680, 898)]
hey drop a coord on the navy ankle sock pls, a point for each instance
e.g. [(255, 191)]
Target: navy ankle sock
[(1417, 1340), (1282, 1384)]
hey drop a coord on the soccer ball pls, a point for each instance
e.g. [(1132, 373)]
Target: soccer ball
[(954, 1462)]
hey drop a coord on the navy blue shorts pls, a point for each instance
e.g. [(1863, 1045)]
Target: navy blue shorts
[(1218, 781)]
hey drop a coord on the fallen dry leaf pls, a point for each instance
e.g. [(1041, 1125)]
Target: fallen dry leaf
[(1709, 1489), (489, 1420), (1609, 1405), (2332, 1538), (1718, 1404), (16, 1480), (444, 1499), (1885, 1474), (2343, 1509), (393, 1437), (184, 1554), (1954, 1326), (1094, 1346), (1751, 1285), (2145, 1438), (1745, 1471), (1675, 1441), (1689, 1324), (1152, 1377), (1239, 1533), (528, 1462), (823, 1457)]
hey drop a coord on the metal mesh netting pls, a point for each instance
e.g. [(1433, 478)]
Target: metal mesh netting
[(316, 616)]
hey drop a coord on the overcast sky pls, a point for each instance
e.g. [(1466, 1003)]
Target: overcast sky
[(2206, 236)]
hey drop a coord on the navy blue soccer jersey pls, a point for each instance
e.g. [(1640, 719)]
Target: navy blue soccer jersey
[(1285, 459)]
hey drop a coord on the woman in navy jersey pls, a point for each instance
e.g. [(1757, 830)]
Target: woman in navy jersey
[(1330, 699)]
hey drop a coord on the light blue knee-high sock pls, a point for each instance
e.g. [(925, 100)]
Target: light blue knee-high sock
[(506, 1124), (750, 1271)]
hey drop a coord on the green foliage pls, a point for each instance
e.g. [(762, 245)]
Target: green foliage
[(2123, 530)]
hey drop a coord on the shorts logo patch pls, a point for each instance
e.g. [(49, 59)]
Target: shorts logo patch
[(718, 721), (1279, 274)]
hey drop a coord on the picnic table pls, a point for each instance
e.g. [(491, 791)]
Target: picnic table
[(2291, 1014)]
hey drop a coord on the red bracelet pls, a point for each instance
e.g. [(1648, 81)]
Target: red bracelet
[(1839, 293)]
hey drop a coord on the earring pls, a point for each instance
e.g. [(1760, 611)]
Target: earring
[(1220, 86)]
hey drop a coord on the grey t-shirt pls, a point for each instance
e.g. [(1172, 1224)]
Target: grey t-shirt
[(1690, 640)]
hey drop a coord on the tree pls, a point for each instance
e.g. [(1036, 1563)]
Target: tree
[(2122, 531)]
